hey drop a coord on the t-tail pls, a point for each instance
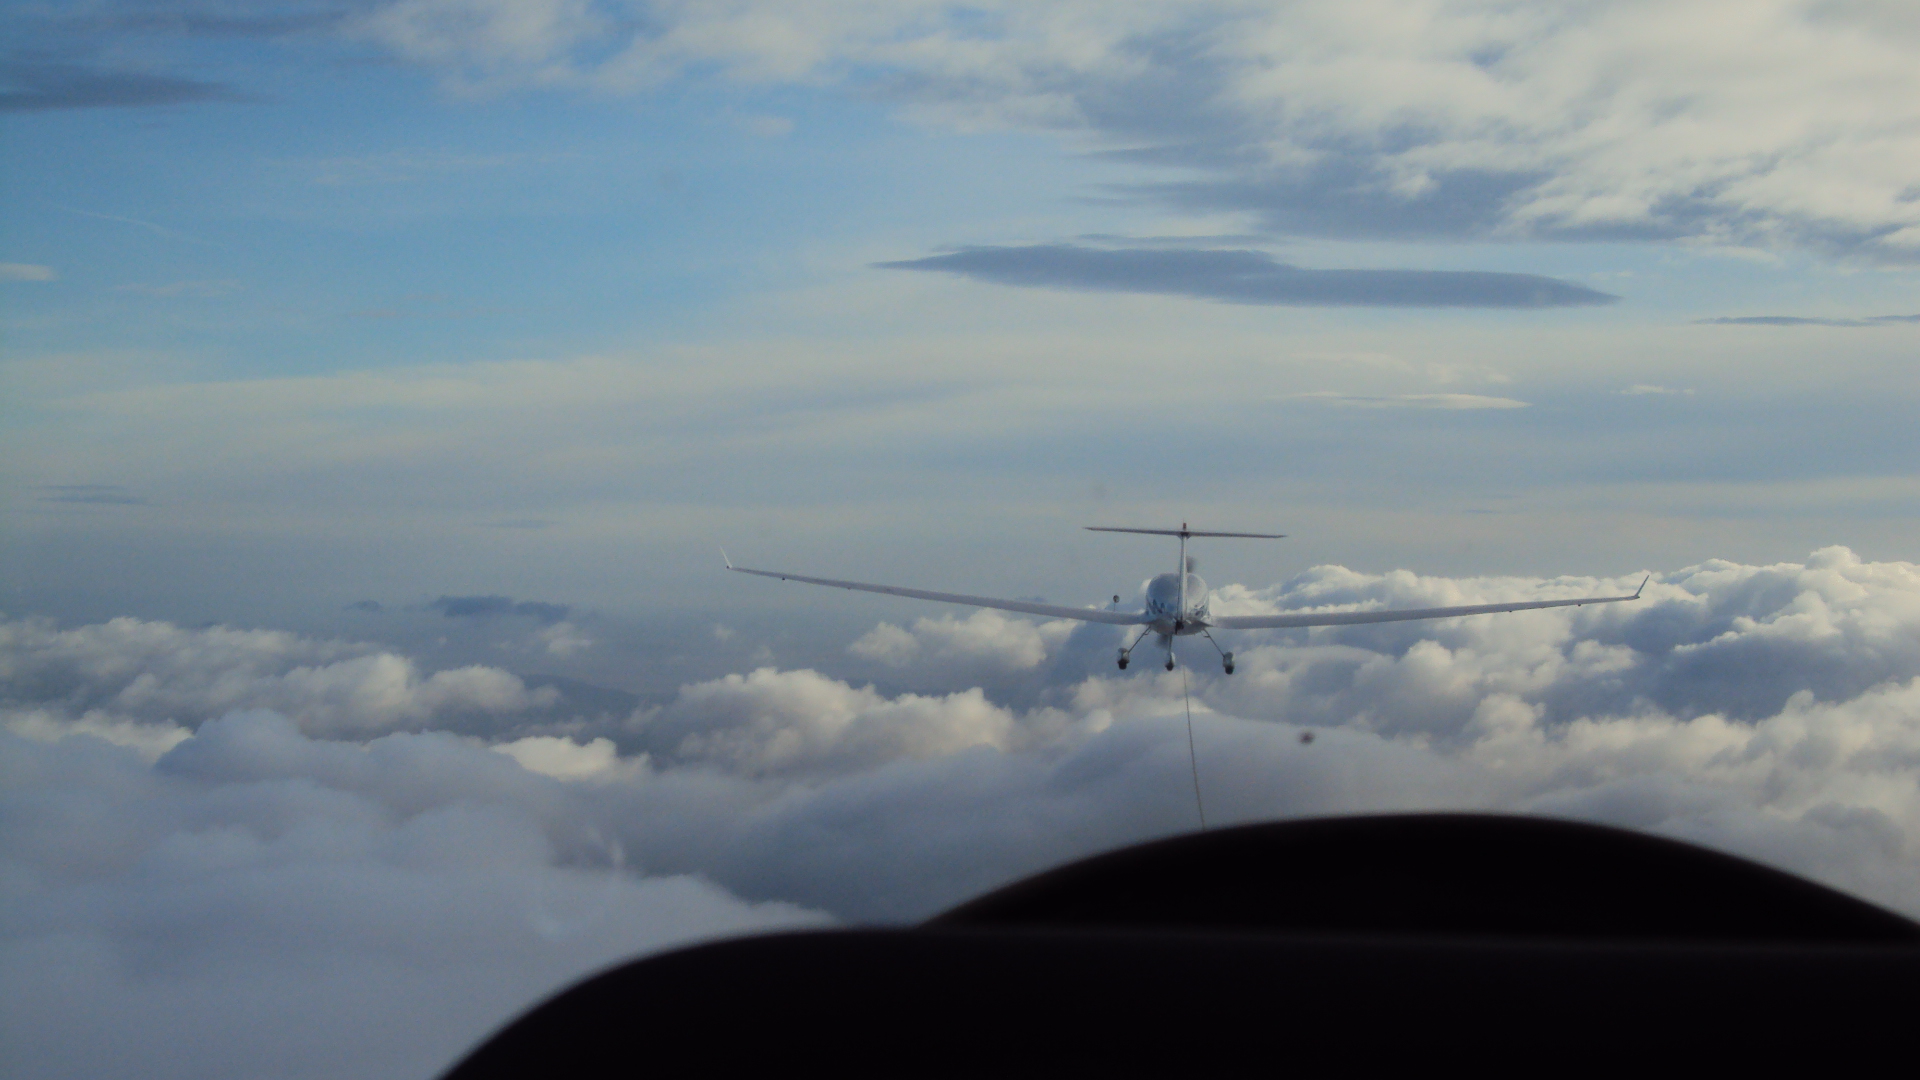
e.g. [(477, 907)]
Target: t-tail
[(1180, 569)]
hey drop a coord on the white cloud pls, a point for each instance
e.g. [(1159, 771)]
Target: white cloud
[(1724, 121), (257, 893), (563, 639), (26, 272), (130, 670), (1769, 710), (788, 722), (565, 759), (984, 641)]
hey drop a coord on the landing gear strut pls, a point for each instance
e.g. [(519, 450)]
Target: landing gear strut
[(1125, 652), (1226, 658)]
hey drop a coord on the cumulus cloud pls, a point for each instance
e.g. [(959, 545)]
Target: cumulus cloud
[(1787, 122), (773, 722), (963, 647), (562, 639), (261, 903), (1770, 710), (130, 671), (1249, 277)]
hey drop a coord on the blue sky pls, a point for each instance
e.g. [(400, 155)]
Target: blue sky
[(322, 296)]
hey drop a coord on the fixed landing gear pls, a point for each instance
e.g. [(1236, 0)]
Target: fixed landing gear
[(1128, 650), (1123, 659), (1226, 658)]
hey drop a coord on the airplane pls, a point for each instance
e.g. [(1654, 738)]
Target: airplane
[(1177, 602)]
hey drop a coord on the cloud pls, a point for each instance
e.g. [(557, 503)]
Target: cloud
[(1412, 401), (26, 272), (254, 894), (489, 607), (800, 722), (1801, 320), (1249, 277), (963, 647), (36, 84), (196, 290), (409, 165), (563, 639), (441, 879), (130, 671), (1772, 125), (96, 494), (1645, 389)]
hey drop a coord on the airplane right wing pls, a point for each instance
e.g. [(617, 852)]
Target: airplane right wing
[(1052, 611), (1349, 618)]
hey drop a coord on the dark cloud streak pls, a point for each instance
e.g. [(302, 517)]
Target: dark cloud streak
[(1249, 277), (487, 607), (39, 85)]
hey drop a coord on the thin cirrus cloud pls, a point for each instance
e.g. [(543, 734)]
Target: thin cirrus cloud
[(1411, 401), (1248, 277), (94, 494), (1807, 320)]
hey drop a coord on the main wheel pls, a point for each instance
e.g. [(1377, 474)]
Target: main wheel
[(1123, 663)]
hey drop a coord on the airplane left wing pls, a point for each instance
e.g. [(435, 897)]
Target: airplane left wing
[(1349, 618), (1052, 611)]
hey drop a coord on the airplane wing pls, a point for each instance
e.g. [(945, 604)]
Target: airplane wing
[(1349, 618), (1052, 611)]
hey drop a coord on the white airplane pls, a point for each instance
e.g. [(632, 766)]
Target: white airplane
[(1177, 602)]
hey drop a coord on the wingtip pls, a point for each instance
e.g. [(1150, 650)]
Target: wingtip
[(1643, 585)]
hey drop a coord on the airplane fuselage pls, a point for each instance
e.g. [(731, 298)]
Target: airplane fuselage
[(1169, 612)]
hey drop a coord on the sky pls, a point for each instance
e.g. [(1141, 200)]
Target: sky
[(379, 380)]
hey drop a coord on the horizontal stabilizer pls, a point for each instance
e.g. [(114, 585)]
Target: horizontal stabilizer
[(1186, 532)]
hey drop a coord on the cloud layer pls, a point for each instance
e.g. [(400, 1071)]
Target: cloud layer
[(1784, 122), (253, 840), (1249, 277), (1775, 123)]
